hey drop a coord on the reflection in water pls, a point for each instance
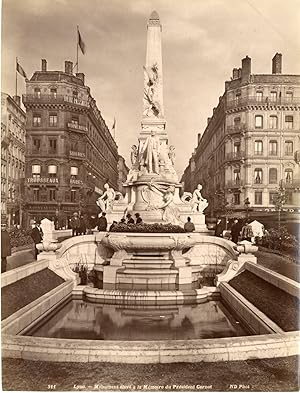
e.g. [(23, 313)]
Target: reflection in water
[(82, 320)]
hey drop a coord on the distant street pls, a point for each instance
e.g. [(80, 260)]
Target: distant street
[(20, 258)]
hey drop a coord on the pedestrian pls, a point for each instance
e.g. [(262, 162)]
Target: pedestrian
[(235, 230), (5, 248), (122, 221), (75, 224), (102, 223), (130, 220), (114, 223), (189, 226), (37, 237), (219, 228), (247, 232), (139, 219), (82, 227)]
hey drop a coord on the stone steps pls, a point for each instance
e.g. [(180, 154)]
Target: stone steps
[(148, 272)]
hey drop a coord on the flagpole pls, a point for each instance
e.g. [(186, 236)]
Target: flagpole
[(16, 77), (77, 48)]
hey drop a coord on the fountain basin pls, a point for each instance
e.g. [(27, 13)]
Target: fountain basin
[(144, 242)]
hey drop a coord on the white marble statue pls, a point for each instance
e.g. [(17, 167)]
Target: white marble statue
[(164, 201), (134, 157), (198, 202), (171, 154), (106, 200), (151, 104), (150, 153)]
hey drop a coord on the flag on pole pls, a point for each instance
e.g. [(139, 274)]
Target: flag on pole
[(81, 43), (114, 125), (21, 71)]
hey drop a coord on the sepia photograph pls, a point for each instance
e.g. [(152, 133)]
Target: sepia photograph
[(150, 195)]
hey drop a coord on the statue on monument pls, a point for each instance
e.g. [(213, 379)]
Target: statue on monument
[(151, 77), (170, 212), (150, 153), (171, 154), (134, 157), (106, 200), (199, 203)]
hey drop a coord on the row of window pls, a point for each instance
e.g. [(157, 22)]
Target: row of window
[(273, 148), (273, 122), (52, 195), (274, 96), (52, 171), (53, 92), (258, 198), (52, 145), (258, 176), (272, 196)]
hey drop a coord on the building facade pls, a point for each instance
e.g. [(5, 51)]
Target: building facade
[(251, 144), (13, 122), (70, 153), (123, 172)]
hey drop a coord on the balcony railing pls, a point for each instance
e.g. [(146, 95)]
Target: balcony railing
[(292, 184), (232, 156), (57, 99), (253, 100), (78, 127), (237, 128), (234, 183)]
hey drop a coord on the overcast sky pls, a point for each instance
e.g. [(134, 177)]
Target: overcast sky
[(202, 41)]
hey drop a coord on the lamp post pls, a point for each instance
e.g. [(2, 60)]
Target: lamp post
[(279, 200), (247, 205)]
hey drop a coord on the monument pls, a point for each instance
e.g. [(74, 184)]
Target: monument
[(152, 186)]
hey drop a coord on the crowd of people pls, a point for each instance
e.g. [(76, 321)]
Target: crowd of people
[(237, 230), (80, 225)]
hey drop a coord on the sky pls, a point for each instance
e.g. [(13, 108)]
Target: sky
[(202, 41)]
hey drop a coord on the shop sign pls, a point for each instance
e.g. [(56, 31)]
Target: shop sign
[(49, 180)]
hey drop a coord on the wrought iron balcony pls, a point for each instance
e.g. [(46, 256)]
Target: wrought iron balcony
[(53, 99), (234, 183), (254, 100), (235, 156), (237, 128), (292, 184)]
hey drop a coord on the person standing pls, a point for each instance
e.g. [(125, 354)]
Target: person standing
[(189, 226), (75, 224), (37, 237), (247, 232), (139, 219), (5, 248), (235, 230), (219, 228), (102, 223), (130, 220)]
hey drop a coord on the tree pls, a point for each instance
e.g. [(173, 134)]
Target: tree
[(279, 201)]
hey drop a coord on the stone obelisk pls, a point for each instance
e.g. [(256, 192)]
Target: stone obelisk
[(153, 107)]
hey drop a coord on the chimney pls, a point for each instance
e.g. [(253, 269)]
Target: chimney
[(17, 99), (277, 64), (208, 120), (199, 137), (80, 75), (235, 73), (44, 65), (69, 67), (246, 68)]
